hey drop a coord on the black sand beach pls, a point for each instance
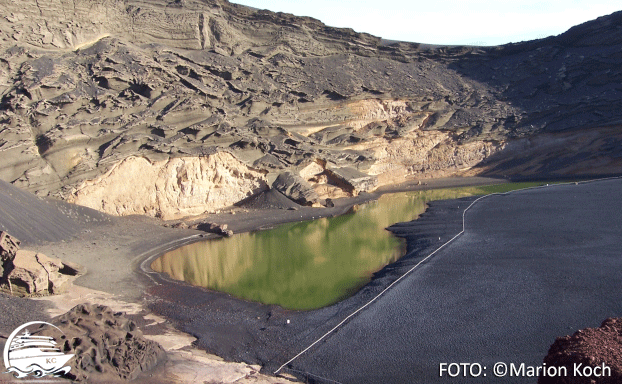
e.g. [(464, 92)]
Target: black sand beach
[(114, 253), (132, 128), (531, 266)]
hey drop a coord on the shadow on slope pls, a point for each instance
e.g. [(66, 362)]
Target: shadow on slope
[(33, 220)]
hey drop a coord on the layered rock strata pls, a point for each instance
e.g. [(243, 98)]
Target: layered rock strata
[(171, 188), (153, 88)]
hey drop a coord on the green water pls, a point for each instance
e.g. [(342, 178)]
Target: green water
[(309, 264)]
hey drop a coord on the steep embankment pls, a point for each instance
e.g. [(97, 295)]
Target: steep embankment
[(33, 220), (90, 89)]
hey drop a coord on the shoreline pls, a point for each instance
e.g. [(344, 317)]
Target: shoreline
[(114, 251), (255, 333), (126, 247), (271, 335), (263, 324), (259, 220), (466, 294)]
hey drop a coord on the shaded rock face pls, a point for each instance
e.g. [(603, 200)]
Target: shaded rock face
[(8, 248), (86, 95), (107, 345), (591, 347), (296, 188)]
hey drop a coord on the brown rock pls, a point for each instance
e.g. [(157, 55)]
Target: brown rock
[(296, 188), (28, 276), (220, 229), (8, 247), (107, 345), (352, 180), (34, 273), (591, 347)]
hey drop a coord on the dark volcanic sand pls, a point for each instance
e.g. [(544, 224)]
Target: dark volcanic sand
[(532, 265), (251, 332), (111, 249)]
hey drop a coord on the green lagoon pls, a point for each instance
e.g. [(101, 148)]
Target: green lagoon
[(310, 264)]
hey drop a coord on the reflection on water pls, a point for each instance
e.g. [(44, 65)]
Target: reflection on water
[(304, 265)]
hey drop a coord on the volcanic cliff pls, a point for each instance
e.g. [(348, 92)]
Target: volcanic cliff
[(174, 108)]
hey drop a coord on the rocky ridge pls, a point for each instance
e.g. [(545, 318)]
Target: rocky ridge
[(196, 105)]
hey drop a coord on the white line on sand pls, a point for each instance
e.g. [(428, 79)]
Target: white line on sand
[(423, 260)]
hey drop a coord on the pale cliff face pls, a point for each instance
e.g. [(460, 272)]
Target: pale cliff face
[(170, 189)]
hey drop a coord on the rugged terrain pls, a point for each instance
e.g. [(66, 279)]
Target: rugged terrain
[(590, 347), (175, 108)]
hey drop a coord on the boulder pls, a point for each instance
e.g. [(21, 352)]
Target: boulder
[(108, 346), (35, 273), (296, 188), (27, 275), (352, 180), (8, 247), (220, 229), (30, 273)]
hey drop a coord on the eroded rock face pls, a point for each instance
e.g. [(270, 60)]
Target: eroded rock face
[(91, 86), (170, 188), (352, 180), (106, 345), (35, 273), (26, 273), (590, 347), (8, 248)]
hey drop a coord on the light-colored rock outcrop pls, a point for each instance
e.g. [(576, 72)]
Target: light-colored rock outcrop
[(170, 188), (425, 155), (352, 180), (35, 273), (24, 272)]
